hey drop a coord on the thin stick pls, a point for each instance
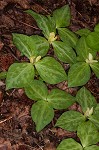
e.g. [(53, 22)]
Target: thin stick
[(6, 119), (24, 23)]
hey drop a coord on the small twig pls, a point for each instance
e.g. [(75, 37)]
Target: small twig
[(90, 2), (39, 146), (69, 2), (82, 17), (42, 8), (24, 23), (5, 120), (12, 53)]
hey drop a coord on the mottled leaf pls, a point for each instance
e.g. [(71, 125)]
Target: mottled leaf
[(60, 99), (93, 147), (50, 70), (93, 40), (85, 99), (83, 49), (3, 75), (95, 68), (69, 144), (95, 117), (96, 111), (83, 32), (19, 74), (42, 45), (88, 134), (46, 24), (78, 74), (64, 52), (70, 120), (36, 90), (62, 16), (25, 44), (68, 36), (42, 114)]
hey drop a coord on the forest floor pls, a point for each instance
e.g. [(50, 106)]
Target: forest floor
[(17, 130)]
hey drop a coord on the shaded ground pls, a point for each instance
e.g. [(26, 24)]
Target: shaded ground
[(17, 130)]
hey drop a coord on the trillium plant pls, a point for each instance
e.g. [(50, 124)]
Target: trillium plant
[(86, 123), (70, 120), (88, 135), (78, 49), (42, 111), (19, 74)]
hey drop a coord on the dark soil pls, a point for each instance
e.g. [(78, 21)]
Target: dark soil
[(17, 130)]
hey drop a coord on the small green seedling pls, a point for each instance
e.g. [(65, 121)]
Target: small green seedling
[(42, 111), (71, 120), (88, 135)]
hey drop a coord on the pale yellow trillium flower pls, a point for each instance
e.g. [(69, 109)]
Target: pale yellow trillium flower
[(34, 59), (37, 58), (90, 59), (52, 37), (89, 112)]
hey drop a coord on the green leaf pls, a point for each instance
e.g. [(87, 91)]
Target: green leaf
[(68, 36), (50, 70), (3, 75), (83, 49), (96, 111), (93, 40), (42, 45), (78, 74), (36, 90), (95, 68), (19, 74), (46, 24), (83, 32), (25, 44), (85, 99), (95, 117), (42, 114), (88, 134), (96, 28), (60, 99), (62, 16), (93, 147), (69, 144), (70, 120), (64, 52)]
